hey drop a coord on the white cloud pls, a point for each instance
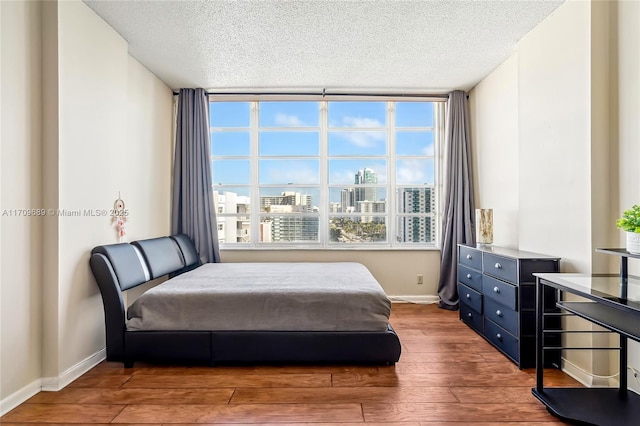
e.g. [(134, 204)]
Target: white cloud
[(362, 139), (412, 172), (342, 177), (361, 122), (297, 175), (428, 150), (287, 120)]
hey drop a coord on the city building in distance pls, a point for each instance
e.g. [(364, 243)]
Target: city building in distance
[(359, 216)]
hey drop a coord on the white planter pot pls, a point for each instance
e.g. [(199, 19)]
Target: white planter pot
[(633, 242)]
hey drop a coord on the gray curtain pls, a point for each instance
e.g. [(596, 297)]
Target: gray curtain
[(458, 219), (192, 212)]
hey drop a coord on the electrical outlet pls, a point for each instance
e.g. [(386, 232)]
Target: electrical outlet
[(420, 279)]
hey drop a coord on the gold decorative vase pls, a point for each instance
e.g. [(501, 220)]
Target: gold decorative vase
[(484, 226)]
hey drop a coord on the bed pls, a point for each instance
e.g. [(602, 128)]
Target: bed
[(239, 312)]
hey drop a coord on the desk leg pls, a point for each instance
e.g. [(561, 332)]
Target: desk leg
[(624, 277), (624, 281), (623, 366), (539, 335)]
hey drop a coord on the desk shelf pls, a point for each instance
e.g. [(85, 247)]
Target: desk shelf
[(608, 306), (596, 406), (618, 252), (605, 316)]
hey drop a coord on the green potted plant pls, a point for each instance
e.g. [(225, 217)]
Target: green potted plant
[(630, 222)]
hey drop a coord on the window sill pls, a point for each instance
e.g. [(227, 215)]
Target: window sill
[(318, 248)]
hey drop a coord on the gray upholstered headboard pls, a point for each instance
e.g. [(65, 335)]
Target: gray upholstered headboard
[(162, 255), (120, 267), (144, 260)]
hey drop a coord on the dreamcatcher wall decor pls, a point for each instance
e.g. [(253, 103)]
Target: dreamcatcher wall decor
[(119, 217)]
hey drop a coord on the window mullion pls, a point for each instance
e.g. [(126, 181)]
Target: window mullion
[(391, 179), (254, 204), (438, 151), (323, 226)]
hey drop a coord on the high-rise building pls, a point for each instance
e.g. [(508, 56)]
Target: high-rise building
[(294, 228), (232, 229), (347, 200), (372, 207), (285, 226), (288, 198), (366, 176), (416, 229), (416, 200)]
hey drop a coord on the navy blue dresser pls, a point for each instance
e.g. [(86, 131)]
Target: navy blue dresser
[(497, 293)]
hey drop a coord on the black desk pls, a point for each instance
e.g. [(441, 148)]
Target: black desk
[(613, 302)]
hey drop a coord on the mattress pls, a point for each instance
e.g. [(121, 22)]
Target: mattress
[(340, 296)]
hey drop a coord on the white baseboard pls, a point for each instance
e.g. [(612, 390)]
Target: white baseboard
[(585, 378), (51, 383), (423, 300), (57, 383), (12, 401)]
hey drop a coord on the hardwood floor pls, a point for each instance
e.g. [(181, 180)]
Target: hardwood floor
[(447, 374)]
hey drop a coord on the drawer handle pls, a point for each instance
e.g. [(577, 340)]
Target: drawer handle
[(469, 276), (499, 313), (496, 289), (469, 257), (469, 315), (499, 336), (468, 296), (498, 266)]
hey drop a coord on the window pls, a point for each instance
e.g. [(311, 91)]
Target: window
[(325, 174)]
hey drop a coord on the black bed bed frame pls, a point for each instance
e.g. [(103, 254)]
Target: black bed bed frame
[(120, 267)]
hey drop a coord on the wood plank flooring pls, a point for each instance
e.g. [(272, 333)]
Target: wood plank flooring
[(447, 375)]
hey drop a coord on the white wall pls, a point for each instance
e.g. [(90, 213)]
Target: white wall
[(577, 117), (554, 137), (92, 83), (532, 115), (20, 272), (102, 123), (494, 121), (148, 152)]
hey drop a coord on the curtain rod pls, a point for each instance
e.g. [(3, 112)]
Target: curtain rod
[(324, 93)]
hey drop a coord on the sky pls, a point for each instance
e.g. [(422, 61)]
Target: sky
[(356, 129)]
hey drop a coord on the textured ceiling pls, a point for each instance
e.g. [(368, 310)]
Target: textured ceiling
[(409, 46)]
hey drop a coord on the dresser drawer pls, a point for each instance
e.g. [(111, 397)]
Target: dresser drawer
[(470, 297), (470, 277), (502, 339), (501, 267), (470, 317), (470, 257), (500, 291), (502, 316)]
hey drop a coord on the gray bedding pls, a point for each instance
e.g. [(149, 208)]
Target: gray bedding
[(265, 297)]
